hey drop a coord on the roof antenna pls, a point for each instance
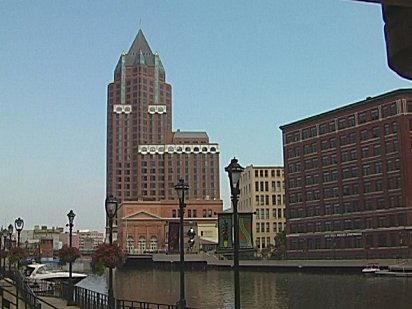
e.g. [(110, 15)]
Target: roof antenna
[(140, 23)]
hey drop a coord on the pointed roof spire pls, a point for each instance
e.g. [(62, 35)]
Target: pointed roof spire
[(139, 53), (141, 47)]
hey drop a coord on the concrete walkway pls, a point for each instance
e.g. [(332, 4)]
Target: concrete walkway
[(54, 302), (9, 298)]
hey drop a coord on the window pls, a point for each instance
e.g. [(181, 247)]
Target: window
[(378, 167), (375, 131), (376, 149), (351, 121), (366, 169), (365, 152), (364, 135), (374, 114), (394, 127), (362, 117), (341, 123)]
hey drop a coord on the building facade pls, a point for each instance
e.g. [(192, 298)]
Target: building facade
[(263, 193), (145, 157), (89, 239), (145, 225), (348, 180)]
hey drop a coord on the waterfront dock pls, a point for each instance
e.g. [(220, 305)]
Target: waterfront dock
[(212, 261)]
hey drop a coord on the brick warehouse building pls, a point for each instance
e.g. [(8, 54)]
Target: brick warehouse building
[(145, 158), (348, 179)]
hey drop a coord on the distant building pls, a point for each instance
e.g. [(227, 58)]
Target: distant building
[(43, 233), (145, 158), (348, 180), (263, 193), (89, 239), (65, 239)]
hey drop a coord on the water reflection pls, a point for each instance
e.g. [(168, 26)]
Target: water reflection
[(214, 289)]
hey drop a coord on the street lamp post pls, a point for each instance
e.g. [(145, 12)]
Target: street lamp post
[(111, 205), (10, 231), (5, 232), (181, 189), (234, 171), (70, 216)]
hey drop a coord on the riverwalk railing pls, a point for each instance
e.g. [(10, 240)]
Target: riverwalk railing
[(15, 287)]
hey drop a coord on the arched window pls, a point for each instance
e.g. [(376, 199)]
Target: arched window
[(130, 244), (142, 244), (153, 243)]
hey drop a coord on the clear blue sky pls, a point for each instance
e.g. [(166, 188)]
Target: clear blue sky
[(239, 69)]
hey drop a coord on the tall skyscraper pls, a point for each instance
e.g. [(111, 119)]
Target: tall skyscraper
[(145, 158)]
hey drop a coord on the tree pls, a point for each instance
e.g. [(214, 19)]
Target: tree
[(280, 245), (16, 254)]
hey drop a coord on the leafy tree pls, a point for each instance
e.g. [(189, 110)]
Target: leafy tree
[(16, 254), (280, 245)]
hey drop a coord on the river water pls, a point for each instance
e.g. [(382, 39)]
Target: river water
[(274, 289)]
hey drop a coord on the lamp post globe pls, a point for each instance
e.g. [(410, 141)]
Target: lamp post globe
[(18, 224), (71, 216), (181, 189), (234, 171), (111, 205)]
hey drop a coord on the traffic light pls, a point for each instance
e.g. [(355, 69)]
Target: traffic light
[(191, 234)]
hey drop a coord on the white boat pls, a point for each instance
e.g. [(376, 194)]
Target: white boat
[(35, 272), (396, 271), (371, 268)]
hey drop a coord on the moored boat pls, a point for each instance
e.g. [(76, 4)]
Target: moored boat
[(41, 272), (371, 268)]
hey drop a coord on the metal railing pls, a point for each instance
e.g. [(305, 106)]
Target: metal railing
[(22, 290), (128, 304), (30, 291)]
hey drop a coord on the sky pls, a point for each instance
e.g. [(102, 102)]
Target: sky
[(238, 69)]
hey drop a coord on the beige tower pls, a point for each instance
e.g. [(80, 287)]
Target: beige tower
[(263, 192)]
